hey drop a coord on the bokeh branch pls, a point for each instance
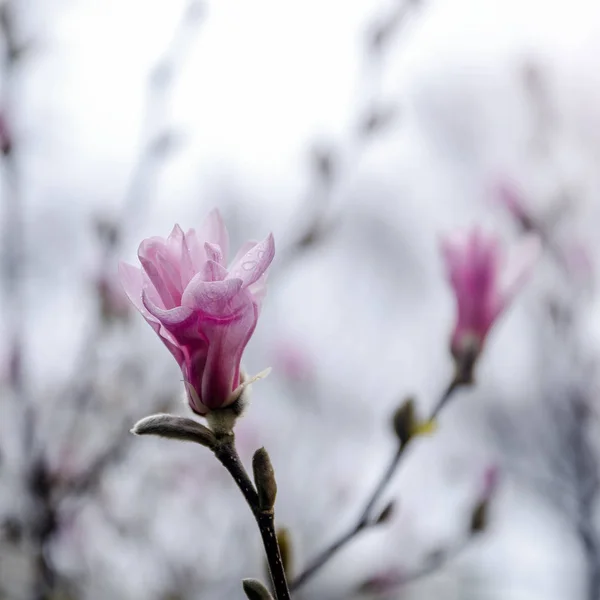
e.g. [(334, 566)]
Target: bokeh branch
[(405, 425), (332, 165)]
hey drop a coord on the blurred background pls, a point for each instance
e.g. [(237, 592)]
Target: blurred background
[(359, 133)]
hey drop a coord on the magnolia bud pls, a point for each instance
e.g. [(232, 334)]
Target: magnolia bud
[(404, 421), (479, 517), (177, 428), (264, 478), (255, 590)]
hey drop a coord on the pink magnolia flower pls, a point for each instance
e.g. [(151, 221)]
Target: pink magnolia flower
[(482, 289), (204, 313)]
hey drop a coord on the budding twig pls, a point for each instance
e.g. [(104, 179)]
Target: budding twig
[(366, 518)]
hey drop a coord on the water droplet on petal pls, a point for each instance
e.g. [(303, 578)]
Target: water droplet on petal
[(249, 265), (214, 294), (261, 254)]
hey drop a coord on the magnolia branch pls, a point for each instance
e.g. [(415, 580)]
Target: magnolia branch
[(367, 518), (260, 495)]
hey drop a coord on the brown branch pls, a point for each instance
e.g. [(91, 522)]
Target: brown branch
[(229, 458)]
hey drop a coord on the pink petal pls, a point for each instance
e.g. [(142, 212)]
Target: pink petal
[(168, 317), (227, 343), (132, 280), (213, 252), (196, 250), (212, 297), (214, 231), (255, 262), (244, 249), (162, 269), (212, 271), (167, 339), (179, 250), (259, 289)]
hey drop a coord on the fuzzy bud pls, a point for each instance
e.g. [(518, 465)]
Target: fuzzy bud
[(177, 428), (255, 590), (264, 478), (404, 421)]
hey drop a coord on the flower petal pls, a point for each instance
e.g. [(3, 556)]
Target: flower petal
[(214, 231), (213, 252), (212, 271), (226, 345), (170, 318), (132, 280), (255, 262), (162, 269), (244, 249), (212, 297), (167, 339), (179, 250), (195, 249)]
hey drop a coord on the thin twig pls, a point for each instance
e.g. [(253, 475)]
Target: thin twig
[(366, 518), (436, 562), (330, 168), (156, 141), (35, 467), (387, 581), (154, 149), (13, 235)]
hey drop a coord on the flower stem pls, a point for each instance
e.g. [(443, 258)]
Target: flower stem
[(227, 454), (366, 518)]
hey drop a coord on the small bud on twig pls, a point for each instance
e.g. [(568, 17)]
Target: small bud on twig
[(404, 421), (264, 478), (255, 590), (479, 517), (178, 428)]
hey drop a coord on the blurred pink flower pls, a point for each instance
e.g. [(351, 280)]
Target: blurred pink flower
[(473, 262), (204, 313)]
